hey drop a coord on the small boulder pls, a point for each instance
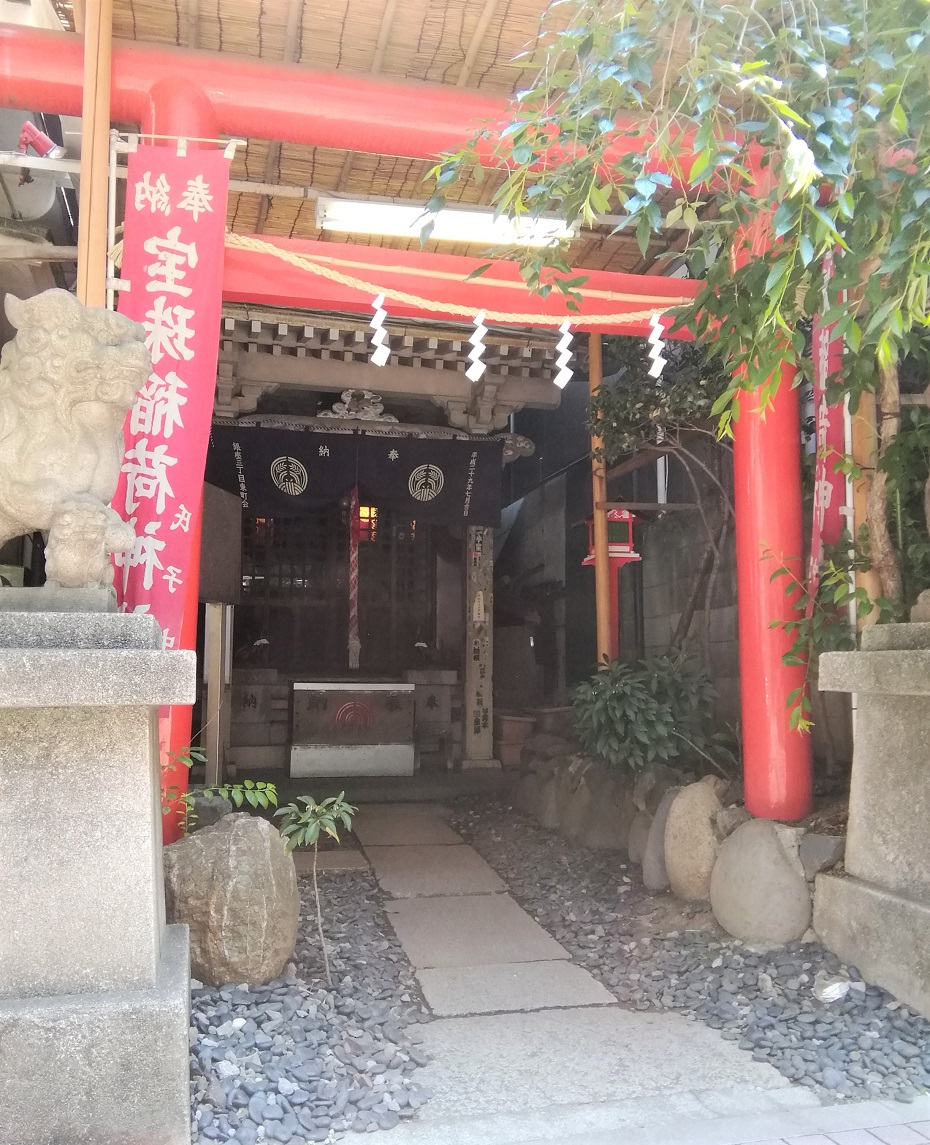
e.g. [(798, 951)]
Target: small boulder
[(691, 842), (607, 824), (639, 835), (526, 792), (820, 852), (651, 784), (547, 746), (205, 810), (728, 819), (550, 802), (236, 888), (655, 875), (758, 891), (577, 809)]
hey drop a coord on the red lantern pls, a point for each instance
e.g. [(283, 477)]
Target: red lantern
[(621, 552)]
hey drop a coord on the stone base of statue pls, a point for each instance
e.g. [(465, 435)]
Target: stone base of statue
[(94, 987), (877, 916)]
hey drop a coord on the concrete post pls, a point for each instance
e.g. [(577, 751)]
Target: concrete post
[(877, 915), (94, 987), (479, 629)]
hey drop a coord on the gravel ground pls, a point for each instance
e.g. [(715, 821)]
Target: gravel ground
[(298, 1061), (655, 953)]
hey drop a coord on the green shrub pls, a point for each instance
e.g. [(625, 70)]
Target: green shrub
[(637, 712)]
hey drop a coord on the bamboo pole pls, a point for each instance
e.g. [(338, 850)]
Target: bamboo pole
[(599, 490), (864, 454), (95, 143)]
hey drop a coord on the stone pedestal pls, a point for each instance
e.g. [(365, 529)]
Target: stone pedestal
[(877, 916), (94, 988)]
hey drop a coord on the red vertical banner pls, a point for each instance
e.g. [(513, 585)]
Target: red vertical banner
[(830, 436), (172, 269)]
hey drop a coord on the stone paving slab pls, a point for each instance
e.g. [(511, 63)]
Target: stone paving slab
[(414, 872), (656, 1119), (402, 824), (458, 990), (473, 930), (345, 859), (514, 1062)]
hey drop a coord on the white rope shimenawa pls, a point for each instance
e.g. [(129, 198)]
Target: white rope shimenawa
[(564, 347), (477, 367), (381, 344), (504, 318)]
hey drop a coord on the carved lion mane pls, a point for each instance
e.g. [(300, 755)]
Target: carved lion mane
[(67, 380)]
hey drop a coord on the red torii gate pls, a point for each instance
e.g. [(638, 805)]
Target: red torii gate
[(199, 95)]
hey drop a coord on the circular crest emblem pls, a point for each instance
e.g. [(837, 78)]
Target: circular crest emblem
[(355, 714), (426, 482), (289, 475)]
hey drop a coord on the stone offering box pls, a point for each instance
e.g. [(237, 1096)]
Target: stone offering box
[(352, 729), (94, 987)]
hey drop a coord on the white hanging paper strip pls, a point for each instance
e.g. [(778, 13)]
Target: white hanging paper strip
[(477, 367), (380, 341), (656, 346), (564, 346)]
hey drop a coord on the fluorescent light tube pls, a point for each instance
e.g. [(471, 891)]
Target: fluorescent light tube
[(452, 224)]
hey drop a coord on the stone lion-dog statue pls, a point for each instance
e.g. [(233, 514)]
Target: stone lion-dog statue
[(67, 380)]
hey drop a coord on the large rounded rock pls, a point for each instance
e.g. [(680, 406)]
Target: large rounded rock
[(655, 875), (691, 841), (236, 888), (758, 891)]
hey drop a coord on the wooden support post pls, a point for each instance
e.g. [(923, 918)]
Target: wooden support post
[(479, 630), (217, 685), (605, 645), (95, 150)]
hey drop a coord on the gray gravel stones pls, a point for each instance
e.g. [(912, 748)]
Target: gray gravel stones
[(866, 1045), (297, 1061)]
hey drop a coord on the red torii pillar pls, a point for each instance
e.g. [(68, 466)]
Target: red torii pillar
[(767, 496)]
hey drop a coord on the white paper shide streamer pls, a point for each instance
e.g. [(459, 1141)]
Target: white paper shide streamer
[(564, 356), (656, 346), (381, 345), (477, 367)]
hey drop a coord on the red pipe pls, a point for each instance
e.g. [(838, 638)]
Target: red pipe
[(41, 70), (767, 494)]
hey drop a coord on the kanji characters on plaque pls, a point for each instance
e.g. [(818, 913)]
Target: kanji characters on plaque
[(172, 262)]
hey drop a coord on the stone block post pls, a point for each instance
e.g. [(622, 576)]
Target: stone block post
[(94, 987), (877, 916)]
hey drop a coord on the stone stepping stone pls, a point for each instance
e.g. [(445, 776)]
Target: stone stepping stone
[(400, 825), (508, 987), (470, 930), (582, 1058), (415, 872), (345, 859)]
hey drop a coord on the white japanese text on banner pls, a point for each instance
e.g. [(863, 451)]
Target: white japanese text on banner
[(173, 261)]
